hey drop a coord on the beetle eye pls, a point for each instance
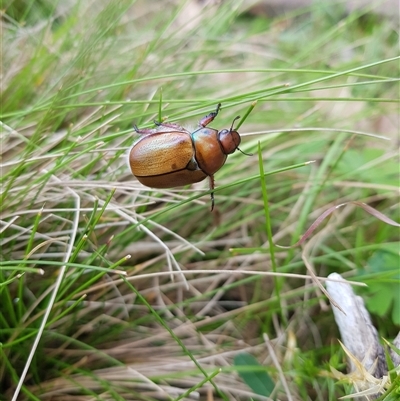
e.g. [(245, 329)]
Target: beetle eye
[(229, 140)]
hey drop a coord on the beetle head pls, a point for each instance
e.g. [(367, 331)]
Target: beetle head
[(229, 140)]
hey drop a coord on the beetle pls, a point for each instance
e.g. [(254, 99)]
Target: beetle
[(172, 156)]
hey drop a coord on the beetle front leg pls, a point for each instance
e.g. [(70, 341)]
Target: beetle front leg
[(209, 117), (212, 186)]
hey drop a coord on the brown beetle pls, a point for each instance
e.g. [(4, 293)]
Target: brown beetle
[(171, 156)]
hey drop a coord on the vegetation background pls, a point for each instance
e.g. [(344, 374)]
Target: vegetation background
[(114, 291)]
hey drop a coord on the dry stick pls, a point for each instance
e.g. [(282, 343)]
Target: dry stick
[(359, 336), (356, 329)]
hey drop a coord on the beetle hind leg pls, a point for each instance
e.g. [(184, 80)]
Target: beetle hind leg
[(143, 131), (170, 125)]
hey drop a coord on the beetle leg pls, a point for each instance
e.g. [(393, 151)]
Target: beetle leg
[(143, 130), (170, 125), (209, 117), (211, 179)]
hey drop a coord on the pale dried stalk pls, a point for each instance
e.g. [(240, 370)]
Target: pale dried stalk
[(365, 353), (356, 329)]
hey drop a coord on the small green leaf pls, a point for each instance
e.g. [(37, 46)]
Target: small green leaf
[(384, 296), (254, 375)]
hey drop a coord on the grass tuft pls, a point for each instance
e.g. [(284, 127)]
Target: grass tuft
[(112, 290)]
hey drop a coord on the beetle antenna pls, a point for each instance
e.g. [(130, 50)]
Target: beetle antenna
[(135, 127), (247, 154), (233, 122)]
